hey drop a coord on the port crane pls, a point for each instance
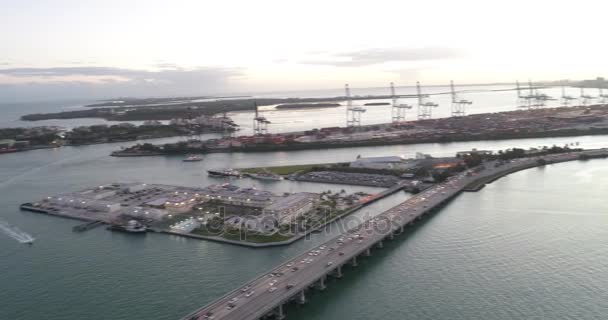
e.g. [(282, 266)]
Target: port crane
[(260, 123), (585, 98), (458, 105), (353, 114), (228, 126), (566, 99), (603, 98), (534, 99), (523, 101), (424, 107), (540, 99), (397, 110)]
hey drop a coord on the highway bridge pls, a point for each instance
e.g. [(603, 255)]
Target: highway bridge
[(289, 282)]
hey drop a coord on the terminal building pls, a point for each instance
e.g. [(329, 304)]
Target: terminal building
[(155, 202), (391, 162), (401, 164), (233, 195), (290, 207)]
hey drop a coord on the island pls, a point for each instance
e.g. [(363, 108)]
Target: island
[(222, 212), (535, 123), (24, 139), (133, 109), (258, 218)]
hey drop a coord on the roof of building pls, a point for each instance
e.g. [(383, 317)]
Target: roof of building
[(290, 201), (380, 159), (157, 202)]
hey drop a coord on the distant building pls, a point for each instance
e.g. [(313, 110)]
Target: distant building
[(230, 194), (473, 152), (180, 203), (6, 143), (391, 162)]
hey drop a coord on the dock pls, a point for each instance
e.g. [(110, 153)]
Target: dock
[(291, 281), (87, 226)]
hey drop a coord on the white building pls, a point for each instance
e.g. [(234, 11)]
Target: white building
[(289, 207), (186, 226), (391, 162)]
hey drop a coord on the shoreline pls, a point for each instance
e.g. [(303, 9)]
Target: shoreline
[(374, 143), (473, 186)]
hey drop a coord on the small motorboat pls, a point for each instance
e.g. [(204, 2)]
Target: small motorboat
[(193, 158)]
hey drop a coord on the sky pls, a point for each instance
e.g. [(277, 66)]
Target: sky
[(111, 48)]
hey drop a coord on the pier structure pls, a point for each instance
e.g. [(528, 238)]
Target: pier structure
[(425, 108), (398, 110), (266, 295), (458, 105), (353, 113)]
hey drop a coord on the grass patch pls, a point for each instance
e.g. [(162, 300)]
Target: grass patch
[(254, 237), (286, 170)]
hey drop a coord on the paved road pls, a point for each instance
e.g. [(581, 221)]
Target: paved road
[(265, 293)]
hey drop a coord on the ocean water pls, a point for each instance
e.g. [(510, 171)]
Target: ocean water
[(529, 246), (485, 99)]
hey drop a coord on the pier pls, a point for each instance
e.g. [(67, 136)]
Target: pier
[(291, 281), (87, 226)]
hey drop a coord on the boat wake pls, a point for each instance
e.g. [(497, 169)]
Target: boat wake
[(16, 233)]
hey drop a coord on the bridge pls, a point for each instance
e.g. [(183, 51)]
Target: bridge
[(289, 282)]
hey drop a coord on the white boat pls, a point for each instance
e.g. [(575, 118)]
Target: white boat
[(224, 173), (193, 158), (135, 226)]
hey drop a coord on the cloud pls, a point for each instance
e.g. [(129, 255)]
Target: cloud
[(168, 70), (167, 65), (369, 57), (108, 82)]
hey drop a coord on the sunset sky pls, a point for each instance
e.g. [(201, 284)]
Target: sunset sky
[(109, 48)]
